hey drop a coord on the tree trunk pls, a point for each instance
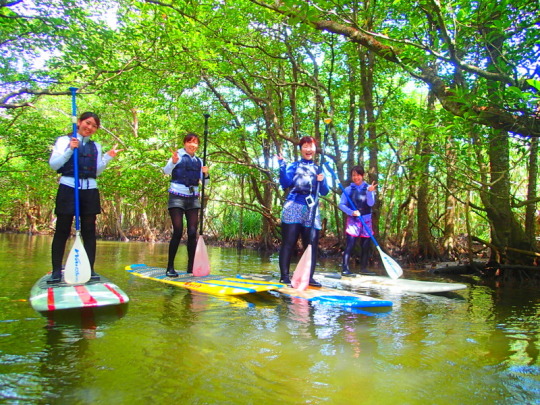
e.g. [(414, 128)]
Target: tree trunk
[(449, 234), (266, 200), (426, 250), (409, 208), (530, 210), (367, 65), (239, 242), (354, 142), (31, 218), (506, 231)]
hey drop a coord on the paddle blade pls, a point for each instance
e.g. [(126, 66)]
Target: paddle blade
[(77, 270), (300, 278), (393, 269), (201, 264)]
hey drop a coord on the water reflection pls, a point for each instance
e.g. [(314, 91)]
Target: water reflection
[(62, 358), (91, 321), (174, 345), (62, 363)]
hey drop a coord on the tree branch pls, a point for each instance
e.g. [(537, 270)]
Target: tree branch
[(496, 117)]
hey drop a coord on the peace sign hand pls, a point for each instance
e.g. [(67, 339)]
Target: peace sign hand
[(113, 152), (372, 187), (175, 157)]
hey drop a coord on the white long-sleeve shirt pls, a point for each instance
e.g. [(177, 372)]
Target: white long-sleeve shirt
[(61, 153), (177, 188)]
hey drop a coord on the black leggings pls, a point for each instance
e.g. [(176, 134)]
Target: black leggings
[(289, 234), (62, 234), (365, 245), (192, 219)]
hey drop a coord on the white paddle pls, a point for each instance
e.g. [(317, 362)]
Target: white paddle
[(77, 269), (393, 269), (201, 263)]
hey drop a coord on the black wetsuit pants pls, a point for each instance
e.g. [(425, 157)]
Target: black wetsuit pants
[(62, 234), (192, 220), (290, 234), (365, 245)]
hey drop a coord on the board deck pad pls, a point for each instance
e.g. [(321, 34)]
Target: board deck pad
[(211, 284), (386, 283), (330, 296), (61, 296)]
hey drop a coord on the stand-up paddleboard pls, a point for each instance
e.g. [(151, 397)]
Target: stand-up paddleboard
[(330, 296), (386, 283), (61, 296), (216, 285)]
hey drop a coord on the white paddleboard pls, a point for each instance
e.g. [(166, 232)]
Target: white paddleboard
[(385, 283), (62, 296)]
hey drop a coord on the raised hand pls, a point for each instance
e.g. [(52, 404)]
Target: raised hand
[(372, 186), (114, 151)]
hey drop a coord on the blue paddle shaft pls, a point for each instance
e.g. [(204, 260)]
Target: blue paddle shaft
[(351, 203), (75, 155)]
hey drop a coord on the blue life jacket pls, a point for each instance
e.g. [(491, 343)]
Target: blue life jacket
[(187, 171), (87, 158), (359, 197), (305, 178)]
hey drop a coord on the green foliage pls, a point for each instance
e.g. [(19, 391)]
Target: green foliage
[(266, 79), (229, 224)]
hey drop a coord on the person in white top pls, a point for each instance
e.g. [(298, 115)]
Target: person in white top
[(91, 163), (187, 172)]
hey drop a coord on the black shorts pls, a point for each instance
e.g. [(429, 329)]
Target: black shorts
[(184, 203), (89, 202)]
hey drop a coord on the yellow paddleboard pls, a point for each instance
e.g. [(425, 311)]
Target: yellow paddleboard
[(216, 285)]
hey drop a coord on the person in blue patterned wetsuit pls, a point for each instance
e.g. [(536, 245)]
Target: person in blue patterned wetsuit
[(186, 171), (91, 164), (296, 218), (363, 196)]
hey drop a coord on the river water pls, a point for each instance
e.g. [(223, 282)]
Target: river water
[(170, 345)]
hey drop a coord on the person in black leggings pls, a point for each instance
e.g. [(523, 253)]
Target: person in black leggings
[(91, 163), (363, 197), (186, 171), (301, 178)]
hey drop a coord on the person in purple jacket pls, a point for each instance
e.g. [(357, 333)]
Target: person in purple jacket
[(363, 197), (301, 178)]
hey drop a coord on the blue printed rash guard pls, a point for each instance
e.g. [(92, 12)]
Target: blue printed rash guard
[(301, 178)]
